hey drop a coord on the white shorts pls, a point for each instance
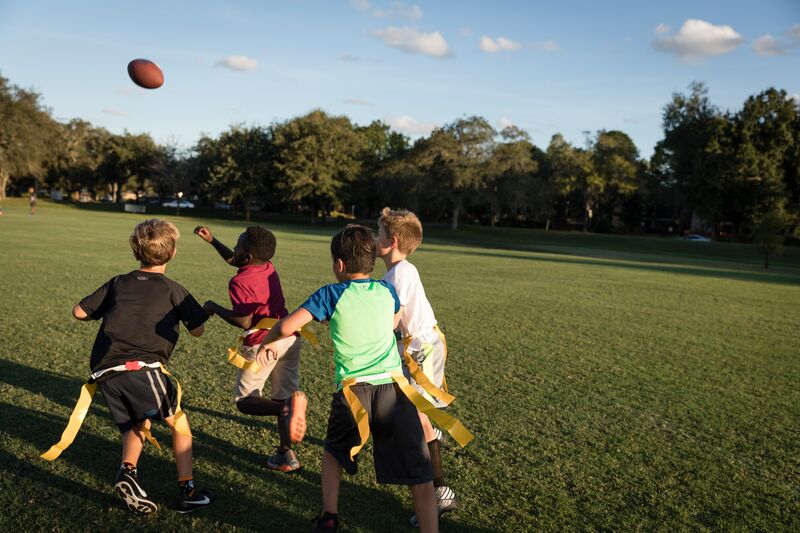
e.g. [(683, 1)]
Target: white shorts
[(283, 372), (429, 351)]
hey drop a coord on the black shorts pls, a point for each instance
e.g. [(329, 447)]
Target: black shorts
[(137, 395), (399, 449)]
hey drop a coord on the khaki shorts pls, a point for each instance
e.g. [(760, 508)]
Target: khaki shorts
[(429, 353), (283, 373)]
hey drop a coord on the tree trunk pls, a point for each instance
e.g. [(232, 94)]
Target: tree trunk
[(4, 176), (456, 211)]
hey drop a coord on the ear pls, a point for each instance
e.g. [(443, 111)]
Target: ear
[(174, 251), (394, 242), (339, 266)]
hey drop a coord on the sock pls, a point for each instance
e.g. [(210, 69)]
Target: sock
[(435, 449), (258, 406), (130, 467), (187, 486)]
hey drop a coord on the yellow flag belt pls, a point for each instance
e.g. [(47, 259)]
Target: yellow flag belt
[(85, 400), (450, 424), (236, 358)]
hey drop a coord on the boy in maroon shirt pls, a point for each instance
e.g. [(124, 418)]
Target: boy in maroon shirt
[(255, 293)]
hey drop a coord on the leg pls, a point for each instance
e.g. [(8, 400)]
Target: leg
[(331, 477), (425, 507), (132, 444), (182, 447), (427, 427)]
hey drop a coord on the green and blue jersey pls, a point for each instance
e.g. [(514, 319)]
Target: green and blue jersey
[(360, 314)]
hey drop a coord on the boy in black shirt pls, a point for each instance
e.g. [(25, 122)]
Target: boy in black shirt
[(141, 313)]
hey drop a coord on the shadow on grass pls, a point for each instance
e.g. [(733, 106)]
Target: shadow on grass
[(242, 503), (739, 275)]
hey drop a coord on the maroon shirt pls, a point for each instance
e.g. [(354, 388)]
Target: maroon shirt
[(256, 290)]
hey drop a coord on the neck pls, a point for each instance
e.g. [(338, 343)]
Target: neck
[(393, 257), (357, 275), (155, 269)]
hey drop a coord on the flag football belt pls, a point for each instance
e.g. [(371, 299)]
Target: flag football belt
[(450, 424), (236, 358), (85, 400), (416, 371)]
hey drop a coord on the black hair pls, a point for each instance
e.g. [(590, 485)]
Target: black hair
[(355, 245), (260, 243)]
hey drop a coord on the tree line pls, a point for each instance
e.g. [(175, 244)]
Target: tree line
[(716, 171)]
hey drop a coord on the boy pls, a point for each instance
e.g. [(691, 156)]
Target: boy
[(255, 293), (141, 313), (399, 234), (361, 314)]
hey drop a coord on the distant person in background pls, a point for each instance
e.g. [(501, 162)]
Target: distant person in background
[(32, 200)]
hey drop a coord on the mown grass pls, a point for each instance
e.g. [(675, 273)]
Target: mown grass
[(612, 383)]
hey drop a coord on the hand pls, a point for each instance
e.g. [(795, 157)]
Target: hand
[(265, 351), (208, 307), (204, 233)]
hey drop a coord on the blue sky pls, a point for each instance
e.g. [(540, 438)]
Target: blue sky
[(550, 67)]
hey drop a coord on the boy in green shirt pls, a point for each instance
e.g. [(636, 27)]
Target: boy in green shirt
[(362, 315)]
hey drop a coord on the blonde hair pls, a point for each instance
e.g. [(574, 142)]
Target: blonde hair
[(153, 241), (404, 225)]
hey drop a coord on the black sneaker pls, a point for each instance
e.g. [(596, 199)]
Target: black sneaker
[(191, 499), (326, 523), (446, 501), (285, 462), (128, 488)]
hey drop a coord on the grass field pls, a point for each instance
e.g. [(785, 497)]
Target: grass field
[(612, 383)]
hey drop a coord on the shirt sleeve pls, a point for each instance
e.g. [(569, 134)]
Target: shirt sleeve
[(403, 282), (190, 312), (96, 304), (243, 302), (322, 303), (393, 292)]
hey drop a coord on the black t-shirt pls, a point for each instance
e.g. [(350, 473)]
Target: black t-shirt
[(141, 312)]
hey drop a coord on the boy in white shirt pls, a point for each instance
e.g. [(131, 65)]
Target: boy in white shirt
[(399, 234)]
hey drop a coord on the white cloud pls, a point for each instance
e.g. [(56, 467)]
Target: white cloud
[(400, 10), (794, 31), (698, 39), (492, 46), (409, 126), (240, 63), (414, 41), (356, 101), (503, 123), (767, 45), (662, 28), (465, 31), (361, 5), (548, 46), (795, 97), (114, 111)]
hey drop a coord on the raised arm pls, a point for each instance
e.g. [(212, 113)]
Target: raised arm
[(204, 233), (79, 314)]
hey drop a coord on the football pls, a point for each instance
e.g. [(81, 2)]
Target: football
[(145, 73)]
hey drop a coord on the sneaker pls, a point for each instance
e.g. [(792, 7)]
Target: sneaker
[(285, 462), (191, 499), (128, 488), (446, 500), (326, 523), (295, 416)]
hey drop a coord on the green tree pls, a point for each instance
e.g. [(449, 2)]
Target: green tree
[(316, 157), (615, 159), (382, 146), (768, 233), (239, 165), (27, 134), (574, 176)]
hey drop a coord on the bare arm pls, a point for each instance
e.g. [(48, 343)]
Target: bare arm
[(79, 314), (197, 331), (204, 233), (239, 321), (285, 327), (397, 317)]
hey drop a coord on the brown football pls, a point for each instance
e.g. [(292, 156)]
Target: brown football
[(145, 73)]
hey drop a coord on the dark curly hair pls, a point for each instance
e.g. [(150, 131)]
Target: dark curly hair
[(260, 243), (355, 245)]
